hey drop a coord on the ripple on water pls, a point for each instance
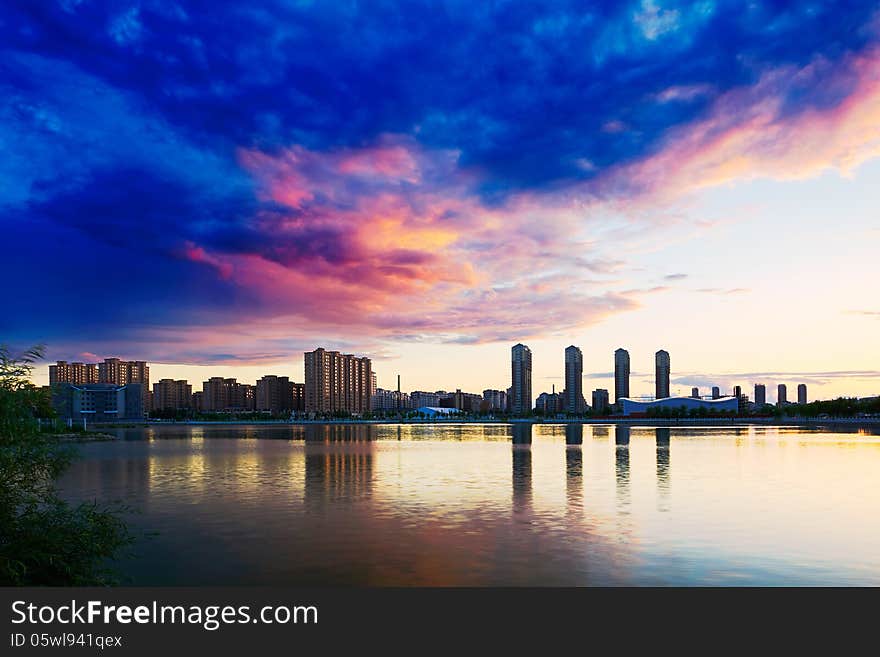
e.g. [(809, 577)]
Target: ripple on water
[(445, 505)]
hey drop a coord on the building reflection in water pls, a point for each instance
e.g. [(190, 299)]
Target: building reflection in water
[(574, 467), (129, 477), (339, 464), (663, 452), (323, 433), (522, 467), (574, 478), (621, 469), (521, 433)]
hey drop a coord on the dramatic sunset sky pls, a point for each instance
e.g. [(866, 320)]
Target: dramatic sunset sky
[(216, 188)]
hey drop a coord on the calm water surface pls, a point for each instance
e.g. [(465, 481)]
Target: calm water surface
[(491, 504)]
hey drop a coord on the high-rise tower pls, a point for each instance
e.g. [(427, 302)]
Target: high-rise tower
[(337, 382), (574, 380), (760, 394), (661, 374), (781, 394), (521, 379), (621, 374)]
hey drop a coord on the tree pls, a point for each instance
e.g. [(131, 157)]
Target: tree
[(43, 539)]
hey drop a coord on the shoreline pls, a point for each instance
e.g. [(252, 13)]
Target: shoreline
[(87, 437), (662, 422)]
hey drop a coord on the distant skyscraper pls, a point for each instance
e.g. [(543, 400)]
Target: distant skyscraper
[(716, 392), (275, 394), (760, 394), (123, 372), (337, 382), (600, 401), (737, 391), (76, 373), (574, 380), (219, 394), (169, 394), (802, 393), (621, 374), (661, 374), (695, 393), (521, 379), (781, 394)]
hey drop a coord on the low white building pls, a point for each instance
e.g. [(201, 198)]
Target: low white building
[(640, 407)]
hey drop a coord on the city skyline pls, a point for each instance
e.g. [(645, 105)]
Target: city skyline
[(347, 377), (462, 371), (241, 200)]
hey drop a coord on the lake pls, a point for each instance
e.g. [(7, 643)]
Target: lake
[(494, 504)]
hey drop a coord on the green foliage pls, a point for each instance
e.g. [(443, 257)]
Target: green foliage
[(840, 407), (43, 539)]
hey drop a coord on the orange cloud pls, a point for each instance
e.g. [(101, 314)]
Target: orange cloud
[(394, 240)]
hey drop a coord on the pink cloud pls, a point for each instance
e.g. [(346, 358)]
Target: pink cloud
[(295, 175), (198, 254), (386, 161), (392, 241), (750, 133), (281, 175)]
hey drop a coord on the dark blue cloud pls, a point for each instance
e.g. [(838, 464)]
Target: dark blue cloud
[(110, 255), (121, 122), (522, 89), (69, 284)]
